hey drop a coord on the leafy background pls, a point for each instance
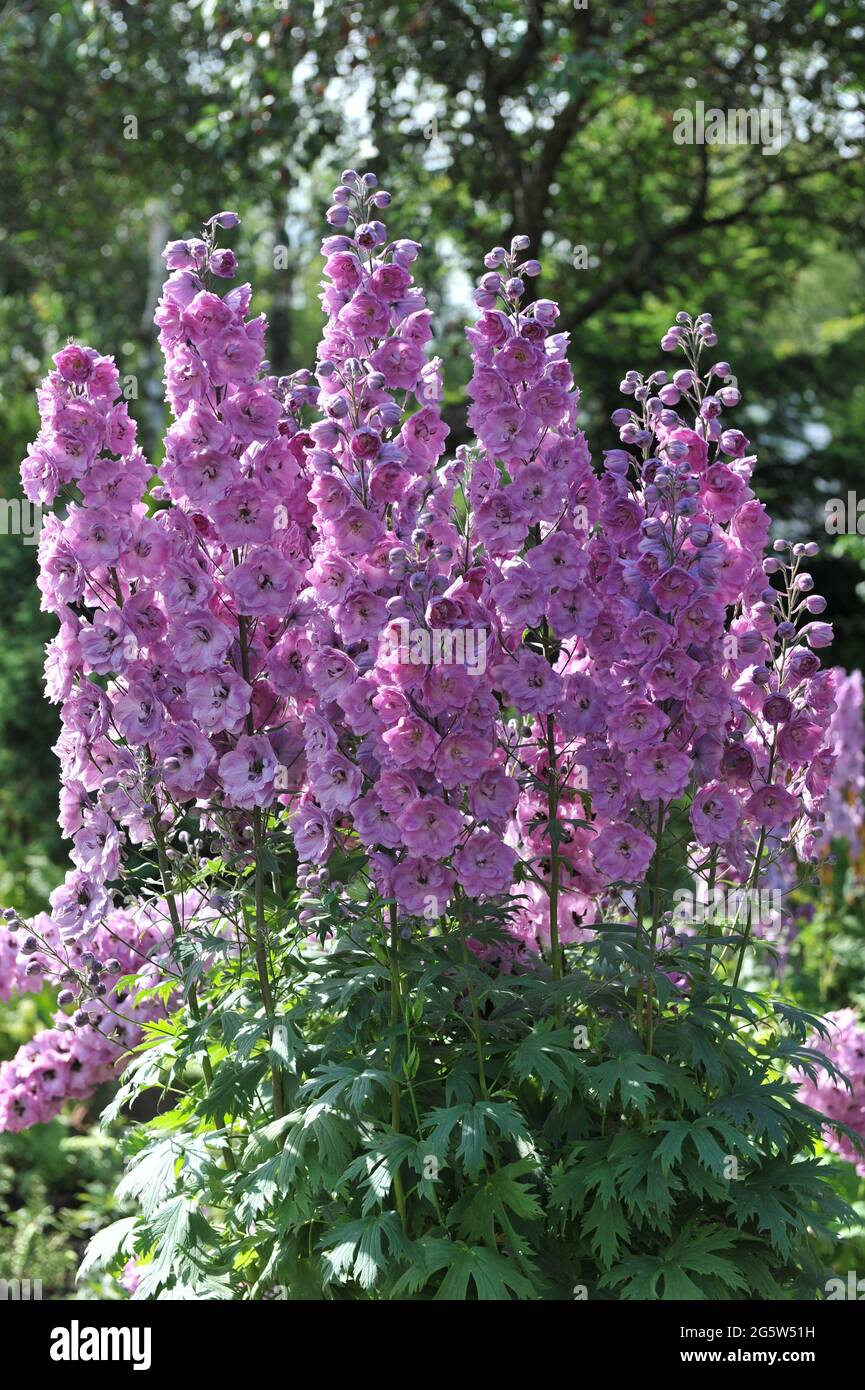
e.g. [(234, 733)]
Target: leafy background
[(122, 124)]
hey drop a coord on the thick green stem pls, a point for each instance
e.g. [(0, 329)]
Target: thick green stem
[(192, 992), (711, 924), (476, 1017), (753, 878), (553, 830), (261, 962), (395, 1010), (746, 934), (656, 922)]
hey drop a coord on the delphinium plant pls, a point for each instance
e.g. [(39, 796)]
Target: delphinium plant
[(406, 751)]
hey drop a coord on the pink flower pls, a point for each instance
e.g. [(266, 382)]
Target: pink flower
[(530, 684), (219, 699), (519, 360), (494, 796), (373, 823), (312, 831), (424, 434), (247, 773), (622, 853), (399, 362), (187, 754), (335, 781), (773, 805), (637, 724), (660, 771), (558, 560), (74, 363), (501, 523), (461, 757), (519, 595), (199, 641), (673, 589), (422, 887), (430, 826), (411, 742), (331, 672), (688, 447), (365, 315), (670, 675), (714, 814), (484, 865), (265, 583)]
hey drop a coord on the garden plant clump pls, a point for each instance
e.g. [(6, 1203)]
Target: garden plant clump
[(381, 767)]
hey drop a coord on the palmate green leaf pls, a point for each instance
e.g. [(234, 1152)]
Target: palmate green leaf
[(567, 1189), (180, 1235), (632, 1075), (499, 1196), (331, 1138), (169, 1229), (234, 1087), (698, 1044), (151, 1175), (262, 1141), (792, 1054), (607, 1226), (589, 1171), (548, 1055), (257, 1189), (679, 1287), (697, 1248), (700, 1133), (669, 1149), (758, 1272), (378, 1166), (105, 1247), (471, 1119), (709, 1151), (801, 1022), (427, 1257), (636, 1278), (765, 1109), (350, 1085), (702, 1182), (356, 1249), (645, 1188), (703, 1252), (784, 1199), (494, 1277), (473, 1139)]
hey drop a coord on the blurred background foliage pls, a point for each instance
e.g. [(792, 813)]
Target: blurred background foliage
[(122, 124)]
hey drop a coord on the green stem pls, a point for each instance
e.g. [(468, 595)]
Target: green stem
[(553, 832), (192, 992), (261, 964), (395, 997), (476, 1017), (656, 917), (711, 923), (746, 934)]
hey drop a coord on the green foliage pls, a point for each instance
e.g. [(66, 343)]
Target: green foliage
[(825, 967), (446, 1135), (56, 1189)]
